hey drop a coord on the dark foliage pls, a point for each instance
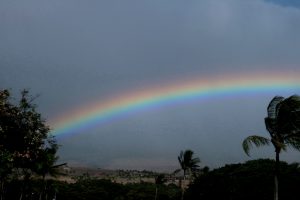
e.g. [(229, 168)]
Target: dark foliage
[(26, 147), (248, 181), (106, 190)]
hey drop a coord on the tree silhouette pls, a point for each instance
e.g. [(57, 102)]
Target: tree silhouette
[(188, 164), (283, 124), (24, 135)]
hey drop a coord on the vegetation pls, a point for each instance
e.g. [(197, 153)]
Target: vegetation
[(283, 124), (28, 156), (106, 190), (189, 166), (26, 148), (247, 181), (159, 181), (188, 163)]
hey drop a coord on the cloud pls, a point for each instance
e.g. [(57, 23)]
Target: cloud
[(286, 3), (78, 52)]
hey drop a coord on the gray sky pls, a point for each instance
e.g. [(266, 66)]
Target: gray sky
[(76, 52)]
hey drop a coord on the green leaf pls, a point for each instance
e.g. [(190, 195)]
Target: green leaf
[(256, 140)]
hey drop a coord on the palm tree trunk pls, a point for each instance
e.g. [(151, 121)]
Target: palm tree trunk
[(156, 192), (276, 175)]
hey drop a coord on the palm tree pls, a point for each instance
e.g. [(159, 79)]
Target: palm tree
[(283, 124), (188, 164)]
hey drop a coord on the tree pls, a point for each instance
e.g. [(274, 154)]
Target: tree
[(283, 125), (246, 181), (23, 131), (188, 164), (23, 136), (7, 120)]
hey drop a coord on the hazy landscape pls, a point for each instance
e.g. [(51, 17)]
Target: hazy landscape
[(139, 99)]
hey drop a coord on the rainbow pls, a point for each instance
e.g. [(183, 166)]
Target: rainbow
[(198, 89)]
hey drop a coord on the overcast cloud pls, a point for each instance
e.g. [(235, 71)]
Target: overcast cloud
[(76, 52)]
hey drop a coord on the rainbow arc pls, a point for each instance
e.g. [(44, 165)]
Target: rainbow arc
[(88, 116)]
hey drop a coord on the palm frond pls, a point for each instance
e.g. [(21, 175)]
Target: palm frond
[(181, 160), (194, 164), (59, 165), (187, 161), (293, 142), (271, 126), (274, 106), (256, 140), (293, 101), (289, 116)]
